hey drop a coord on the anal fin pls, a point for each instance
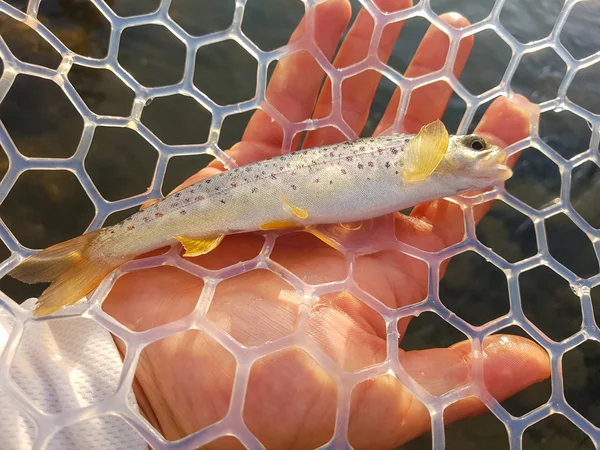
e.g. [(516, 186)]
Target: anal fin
[(278, 225), (199, 246)]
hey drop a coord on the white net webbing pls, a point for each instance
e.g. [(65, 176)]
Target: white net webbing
[(43, 422)]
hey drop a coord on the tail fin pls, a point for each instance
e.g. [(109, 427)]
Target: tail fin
[(68, 268)]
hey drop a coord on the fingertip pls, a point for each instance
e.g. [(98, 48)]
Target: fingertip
[(508, 120), (511, 363)]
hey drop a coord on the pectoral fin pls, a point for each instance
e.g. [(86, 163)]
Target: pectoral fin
[(296, 210), (425, 152), (199, 246)]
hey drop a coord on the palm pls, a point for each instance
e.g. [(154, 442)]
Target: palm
[(184, 382)]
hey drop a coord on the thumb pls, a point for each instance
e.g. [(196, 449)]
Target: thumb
[(383, 407)]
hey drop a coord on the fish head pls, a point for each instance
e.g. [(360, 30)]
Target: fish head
[(474, 163)]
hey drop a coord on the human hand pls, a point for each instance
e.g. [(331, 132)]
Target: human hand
[(183, 382)]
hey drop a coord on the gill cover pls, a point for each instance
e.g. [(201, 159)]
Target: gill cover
[(425, 152)]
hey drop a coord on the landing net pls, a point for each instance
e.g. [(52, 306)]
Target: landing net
[(45, 423)]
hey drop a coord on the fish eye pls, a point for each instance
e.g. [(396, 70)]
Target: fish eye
[(477, 144)]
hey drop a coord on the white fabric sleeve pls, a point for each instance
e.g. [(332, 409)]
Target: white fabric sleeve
[(63, 365)]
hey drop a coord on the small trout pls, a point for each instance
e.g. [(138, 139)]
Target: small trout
[(344, 182)]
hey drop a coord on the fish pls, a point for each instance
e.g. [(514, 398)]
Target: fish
[(340, 183)]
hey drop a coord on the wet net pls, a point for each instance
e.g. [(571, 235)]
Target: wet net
[(46, 422)]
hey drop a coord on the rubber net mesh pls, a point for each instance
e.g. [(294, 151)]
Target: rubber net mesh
[(120, 404)]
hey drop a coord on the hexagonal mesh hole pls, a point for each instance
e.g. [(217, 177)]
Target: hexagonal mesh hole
[(539, 75), (585, 190), (555, 431), (45, 207), (567, 133), (177, 120), (486, 64), (180, 168), (199, 19), (536, 180), (524, 22), (212, 72), (152, 55), (310, 393), (581, 372), (26, 44), (484, 430), (166, 294), (270, 23), (579, 90), (102, 91), (116, 154), (40, 119), (79, 25), (199, 368), (507, 232), (338, 322), (549, 302), (563, 235), (254, 307), (476, 299)]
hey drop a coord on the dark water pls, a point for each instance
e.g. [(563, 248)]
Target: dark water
[(48, 207)]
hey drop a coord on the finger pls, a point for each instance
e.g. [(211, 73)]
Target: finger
[(357, 91), (298, 77), (383, 409), (435, 225), (429, 102)]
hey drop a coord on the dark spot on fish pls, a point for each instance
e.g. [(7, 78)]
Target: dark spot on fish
[(331, 154), (280, 167), (294, 187), (254, 190), (178, 195), (360, 166), (131, 227), (233, 185), (208, 181), (273, 176), (349, 158), (387, 165), (222, 201), (344, 172), (159, 215), (182, 212), (397, 172), (380, 151), (394, 151), (362, 147), (316, 180), (370, 164), (199, 198), (330, 181)]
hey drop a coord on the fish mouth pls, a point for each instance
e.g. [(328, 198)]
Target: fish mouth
[(493, 165)]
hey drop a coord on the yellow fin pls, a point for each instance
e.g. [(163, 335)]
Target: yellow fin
[(425, 152), (200, 246), (296, 210), (70, 270), (278, 224)]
